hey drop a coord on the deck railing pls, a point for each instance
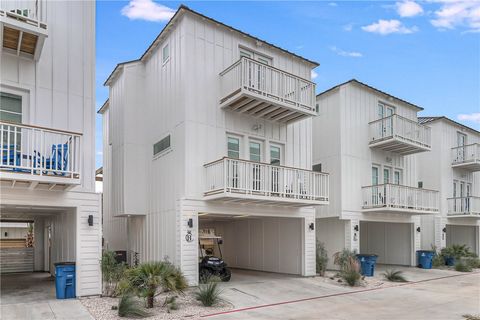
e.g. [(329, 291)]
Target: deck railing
[(400, 197), (467, 153), (270, 82), (39, 151), (396, 126), (464, 206), (28, 11), (248, 177)]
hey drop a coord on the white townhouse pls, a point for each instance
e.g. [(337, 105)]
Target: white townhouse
[(211, 129), (452, 168), (368, 140), (47, 136)]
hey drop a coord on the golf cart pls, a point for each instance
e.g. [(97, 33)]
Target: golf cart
[(210, 265)]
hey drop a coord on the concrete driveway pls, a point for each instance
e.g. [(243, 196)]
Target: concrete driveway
[(32, 296), (431, 294)]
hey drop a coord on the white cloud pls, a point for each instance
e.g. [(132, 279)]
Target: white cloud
[(147, 10), (348, 27), (314, 75), (458, 13), (408, 8), (385, 27), (343, 53), (472, 117), (99, 153), (332, 4)]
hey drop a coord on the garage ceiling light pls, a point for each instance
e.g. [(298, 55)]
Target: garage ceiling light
[(242, 216)]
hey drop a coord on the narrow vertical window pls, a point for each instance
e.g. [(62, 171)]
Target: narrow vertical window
[(275, 155), (10, 107), (233, 147), (165, 53), (255, 152)]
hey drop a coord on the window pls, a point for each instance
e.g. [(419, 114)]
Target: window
[(275, 155), (255, 152), (245, 53), (165, 53), (420, 184), (161, 145), (233, 147), (397, 176), (374, 176), (317, 167), (317, 108), (10, 107)]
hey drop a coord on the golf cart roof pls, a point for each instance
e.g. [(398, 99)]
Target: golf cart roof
[(209, 237)]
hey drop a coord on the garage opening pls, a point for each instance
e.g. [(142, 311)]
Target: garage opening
[(465, 235), (392, 242), (269, 244), (32, 240)]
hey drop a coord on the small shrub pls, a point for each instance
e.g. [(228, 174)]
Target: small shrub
[(394, 276), (209, 294), (128, 306), (457, 251), (171, 303), (461, 266), (112, 273), (471, 317), (351, 277), (351, 271), (344, 257), (321, 258), (472, 262)]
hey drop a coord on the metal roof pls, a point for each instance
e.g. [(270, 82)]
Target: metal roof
[(103, 107), (425, 120), (371, 88), (182, 9)]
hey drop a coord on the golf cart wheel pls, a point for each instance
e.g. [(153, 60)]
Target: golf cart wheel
[(226, 275)]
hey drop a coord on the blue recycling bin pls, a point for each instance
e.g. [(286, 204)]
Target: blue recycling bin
[(65, 280), (424, 259), (367, 263)]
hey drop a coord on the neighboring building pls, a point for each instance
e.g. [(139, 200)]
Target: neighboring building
[(211, 129), (367, 140), (453, 168), (47, 130)]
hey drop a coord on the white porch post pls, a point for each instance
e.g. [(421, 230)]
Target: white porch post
[(440, 235), (352, 237), (417, 240), (309, 246)]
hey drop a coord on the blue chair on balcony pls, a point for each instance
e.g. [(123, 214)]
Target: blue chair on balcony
[(11, 157), (58, 161)]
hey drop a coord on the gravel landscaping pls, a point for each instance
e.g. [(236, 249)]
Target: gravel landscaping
[(188, 307)]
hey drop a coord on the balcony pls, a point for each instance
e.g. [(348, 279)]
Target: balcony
[(253, 182), (37, 157), (395, 198), (400, 135), (22, 31), (466, 157), (263, 91), (464, 207)]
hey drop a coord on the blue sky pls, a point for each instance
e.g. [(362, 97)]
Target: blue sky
[(427, 53)]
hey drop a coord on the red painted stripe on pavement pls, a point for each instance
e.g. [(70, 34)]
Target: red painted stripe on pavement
[(332, 295)]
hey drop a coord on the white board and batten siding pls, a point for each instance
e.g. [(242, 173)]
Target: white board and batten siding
[(58, 92), (180, 97)]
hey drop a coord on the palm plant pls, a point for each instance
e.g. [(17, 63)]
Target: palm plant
[(112, 272), (129, 307), (394, 276), (321, 258), (148, 277)]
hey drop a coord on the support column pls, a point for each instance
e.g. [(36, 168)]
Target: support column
[(309, 246), (352, 235), (440, 232), (417, 240), (187, 231)]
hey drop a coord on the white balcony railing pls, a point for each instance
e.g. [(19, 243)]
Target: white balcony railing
[(27, 11), (400, 198), (402, 129), (268, 82), (466, 154), (464, 206), (39, 151), (242, 177)]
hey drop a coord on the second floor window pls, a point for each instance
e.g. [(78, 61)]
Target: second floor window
[(165, 53), (275, 155), (233, 147), (255, 152), (10, 107), (161, 146)]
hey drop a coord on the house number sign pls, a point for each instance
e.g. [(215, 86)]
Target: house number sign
[(189, 236)]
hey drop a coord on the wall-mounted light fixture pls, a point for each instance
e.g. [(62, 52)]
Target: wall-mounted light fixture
[(311, 226), (356, 227), (418, 229), (444, 229), (90, 220), (190, 223)]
